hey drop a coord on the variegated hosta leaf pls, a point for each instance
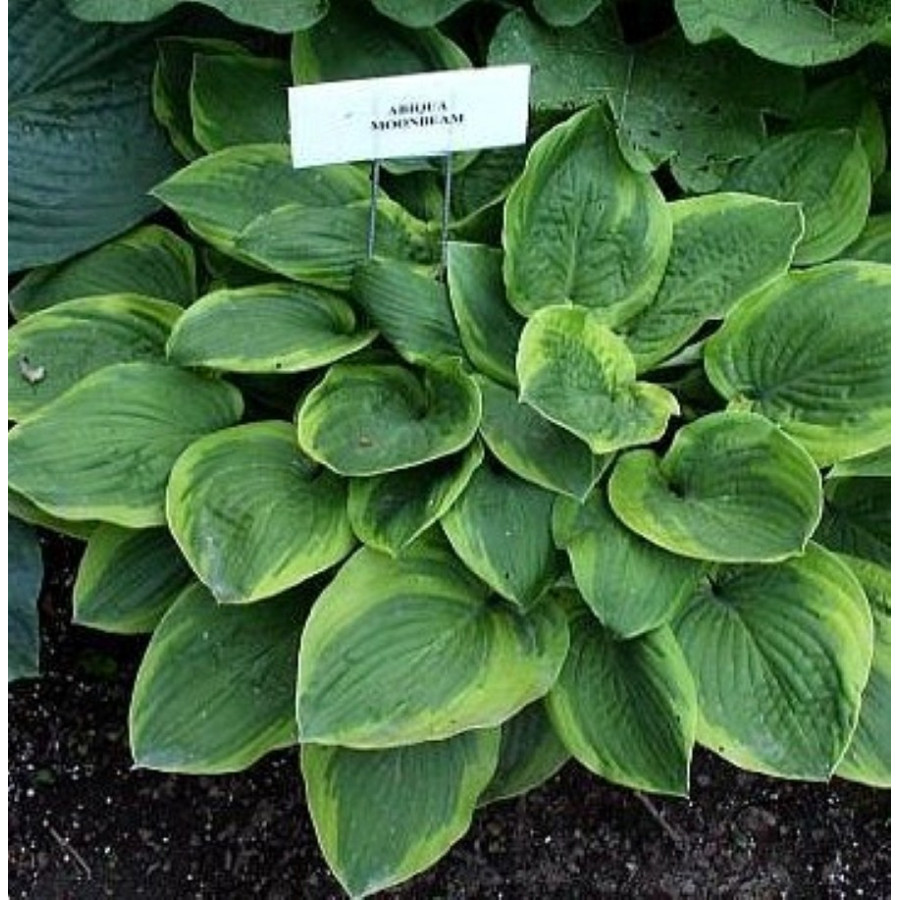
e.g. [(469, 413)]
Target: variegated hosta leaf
[(530, 754), (582, 227), (398, 651), (267, 328), (25, 574), (215, 689), (780, 655), (128, 578), (371, 419), (577, 373), (874, 241), (388, 512), (104, 449), (381, 816), (847, 102), (150, 260), (793, 32), (410, 308), (22, 508), (872, 465), (812, 353), (253, 515), (827, 173), (856, 518), (488, 326), (221, 194), (172, 85), (500, 528), (535, 449), (239, 99), (868, 758), (324, 246), (731, 488), (724, 247), (631, 585), (626, 709), (56, 348)]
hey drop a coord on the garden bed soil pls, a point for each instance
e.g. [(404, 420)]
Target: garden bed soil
[(83, 824)]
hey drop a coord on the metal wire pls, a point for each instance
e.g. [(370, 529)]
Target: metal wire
[(374, 177), (445, 213)]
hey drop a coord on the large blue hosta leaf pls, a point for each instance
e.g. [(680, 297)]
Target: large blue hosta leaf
[(84, 147)]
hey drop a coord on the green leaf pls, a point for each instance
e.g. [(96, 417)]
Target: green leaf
[(325, 246), (794, 32), (149, 260), (418, 13), (128, 579), (215, 689), (780, 655), (239, 99), (561, 13), (571, 67), (221, 194), (868, 758), (577, 373), (724, 247), (856, 518), (252, 515), (626, 710), (631, 585), (388, 512), (530, 754), (267, 328), (83, 145), (272, 15), (812, 353), (172, 85), (398, 651), (874, 241), (25, 574), (872, 465), (489, 328), (371, 419), (700, 108), (104, 449), (354, 41), (535, 449), (847, 103), (731, 488), (500, 528), (410, 308), (381, 816), (827, 173), (55, 349), (582, 227)]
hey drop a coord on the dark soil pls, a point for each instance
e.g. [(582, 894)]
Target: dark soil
[(82, 824)]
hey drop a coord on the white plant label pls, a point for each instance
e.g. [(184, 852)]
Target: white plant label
[(425, 114)]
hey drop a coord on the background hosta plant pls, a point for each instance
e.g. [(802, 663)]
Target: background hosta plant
[(610, 484)]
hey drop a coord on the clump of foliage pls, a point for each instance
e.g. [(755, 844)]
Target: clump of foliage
[(613, 484)]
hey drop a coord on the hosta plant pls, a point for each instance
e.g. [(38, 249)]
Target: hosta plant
[(606, 480)]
